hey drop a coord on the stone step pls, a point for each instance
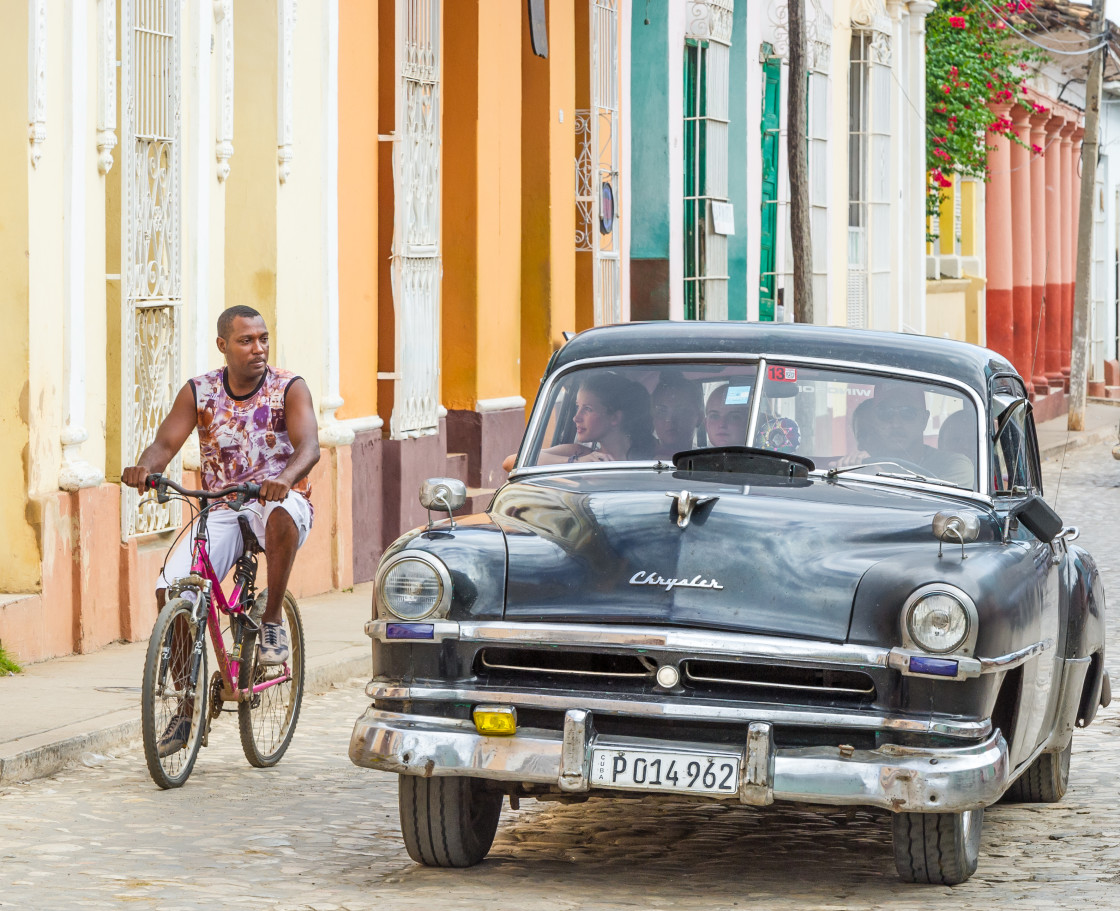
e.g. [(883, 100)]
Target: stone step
[(457, 466), (478, 498)]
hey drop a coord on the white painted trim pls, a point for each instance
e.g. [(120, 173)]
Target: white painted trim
[(509, 403), (675, 131), (106, 83), (198, 166), (223, 141), (75, 472), (333, 431), (37, 78), (360, 425), (285, 132)]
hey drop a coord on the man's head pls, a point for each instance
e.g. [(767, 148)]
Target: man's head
[(898, 418), (726, 425), (677, 411), (243, 339)]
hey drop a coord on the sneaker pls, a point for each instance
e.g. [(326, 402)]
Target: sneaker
[(175, 737), (274, 643)]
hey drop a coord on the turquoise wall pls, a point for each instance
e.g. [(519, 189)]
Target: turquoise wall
[(649, 136), (737, 154)]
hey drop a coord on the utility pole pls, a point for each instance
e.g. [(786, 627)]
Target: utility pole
[(796, 153), (1078, 373)]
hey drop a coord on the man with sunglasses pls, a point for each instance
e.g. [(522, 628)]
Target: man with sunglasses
[(891, 427)]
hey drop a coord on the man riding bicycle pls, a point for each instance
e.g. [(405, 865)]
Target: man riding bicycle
[(256, 424)]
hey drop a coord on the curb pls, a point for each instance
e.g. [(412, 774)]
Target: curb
[(1082, 440), (122, 726)]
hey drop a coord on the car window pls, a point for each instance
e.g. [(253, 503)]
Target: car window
[(1013, 466), (641, 412), (836, 417), (841, 418)]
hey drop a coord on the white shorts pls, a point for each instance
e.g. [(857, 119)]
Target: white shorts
[(224, 543)]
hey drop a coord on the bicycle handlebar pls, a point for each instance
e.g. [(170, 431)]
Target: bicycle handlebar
[(243, 492)]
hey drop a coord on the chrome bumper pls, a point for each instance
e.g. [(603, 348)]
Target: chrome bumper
[(892, 777)]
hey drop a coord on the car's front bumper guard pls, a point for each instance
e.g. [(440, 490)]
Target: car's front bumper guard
[(893, 777)]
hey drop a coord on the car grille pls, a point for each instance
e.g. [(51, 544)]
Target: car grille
[(776, 681), (637, 673), (514, 664)]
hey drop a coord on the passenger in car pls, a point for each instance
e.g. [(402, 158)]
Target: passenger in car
[(891, 427), (612, 422), (725, 424), (677, 411)]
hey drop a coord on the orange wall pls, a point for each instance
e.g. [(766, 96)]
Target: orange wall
[(357, 206), (481, 201)]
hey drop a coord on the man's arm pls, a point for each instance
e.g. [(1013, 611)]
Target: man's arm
[(170, 437), (303, 434)]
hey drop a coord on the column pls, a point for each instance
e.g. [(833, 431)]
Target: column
[(999, 243), (1074, 210), (1068, 227), (1022, 251), (1038, 251), (1052, 265), (914, 173)]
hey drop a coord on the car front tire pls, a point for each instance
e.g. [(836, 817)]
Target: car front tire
[(447, 822), (937, 848), (1045, 780)]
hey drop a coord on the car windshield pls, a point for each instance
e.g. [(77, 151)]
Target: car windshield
[(842, 419)]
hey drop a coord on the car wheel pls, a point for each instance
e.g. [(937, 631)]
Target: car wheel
[(447, 822), (1045, 780), (939, 848)]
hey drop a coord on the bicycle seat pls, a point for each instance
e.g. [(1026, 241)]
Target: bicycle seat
[(249, 539)]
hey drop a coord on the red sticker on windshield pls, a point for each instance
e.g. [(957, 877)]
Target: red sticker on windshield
[(782, 374)]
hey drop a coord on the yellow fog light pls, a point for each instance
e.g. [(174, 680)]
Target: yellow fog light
[(500, 720)]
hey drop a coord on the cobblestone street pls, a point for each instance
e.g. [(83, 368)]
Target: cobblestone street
[(317, 832)]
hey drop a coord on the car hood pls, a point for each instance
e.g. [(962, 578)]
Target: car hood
[(771, 556)]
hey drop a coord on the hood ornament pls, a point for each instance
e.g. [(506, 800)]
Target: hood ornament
[(686, 503)]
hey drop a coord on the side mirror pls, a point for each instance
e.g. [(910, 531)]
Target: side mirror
[(443, 493), (1041, 521)]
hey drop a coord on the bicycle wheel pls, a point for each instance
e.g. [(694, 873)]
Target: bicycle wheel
[(172, 708), (268, 719)]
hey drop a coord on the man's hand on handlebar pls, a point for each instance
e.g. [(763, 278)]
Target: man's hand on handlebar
[(274, 490), (136, 476)]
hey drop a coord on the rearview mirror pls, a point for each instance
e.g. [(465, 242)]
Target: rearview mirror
[(1036, 514)]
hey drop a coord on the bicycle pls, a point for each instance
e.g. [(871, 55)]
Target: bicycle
[(178, 703)]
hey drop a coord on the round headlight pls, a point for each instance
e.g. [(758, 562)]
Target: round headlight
[(937, 622), (412, 588)]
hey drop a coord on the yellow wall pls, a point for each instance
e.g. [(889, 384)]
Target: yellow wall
[(547, 249), (251, 188), (357, 206), (19, 570)]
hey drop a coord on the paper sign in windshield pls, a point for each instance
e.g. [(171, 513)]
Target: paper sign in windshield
[(782, 374), (737, 395)]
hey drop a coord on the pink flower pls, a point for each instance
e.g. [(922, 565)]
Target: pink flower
[(957, 22), (941, 153), (1036, 149)]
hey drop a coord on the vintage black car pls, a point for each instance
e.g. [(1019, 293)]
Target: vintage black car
[(746, 563)]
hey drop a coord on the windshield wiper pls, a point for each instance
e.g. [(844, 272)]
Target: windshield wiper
[(833, 472), (903, 475)]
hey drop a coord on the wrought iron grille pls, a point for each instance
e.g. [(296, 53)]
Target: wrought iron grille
[(417, 259), (151, 297)]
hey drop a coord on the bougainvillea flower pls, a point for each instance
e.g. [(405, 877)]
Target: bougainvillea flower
[(958, 22)]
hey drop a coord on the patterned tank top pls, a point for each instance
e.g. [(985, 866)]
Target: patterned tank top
[(244, 438)]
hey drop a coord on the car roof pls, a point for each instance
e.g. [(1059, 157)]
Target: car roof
[(969, 364)]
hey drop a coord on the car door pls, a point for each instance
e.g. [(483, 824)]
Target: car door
[(1016, 476)]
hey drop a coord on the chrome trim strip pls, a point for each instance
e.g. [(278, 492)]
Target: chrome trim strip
[(567, 671), (1006, 662), (693, 710), (897, 778), (804, 687), (978, 399)]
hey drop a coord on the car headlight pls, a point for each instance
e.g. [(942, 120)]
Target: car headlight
[(939, 619), (413, 585)]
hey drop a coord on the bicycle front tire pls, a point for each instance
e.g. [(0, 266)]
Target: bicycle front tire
[(268, 719), (167, 690)]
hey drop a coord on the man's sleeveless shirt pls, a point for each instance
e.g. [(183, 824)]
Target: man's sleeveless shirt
[(243, 438)]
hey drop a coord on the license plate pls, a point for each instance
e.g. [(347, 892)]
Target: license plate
[(658, 770)]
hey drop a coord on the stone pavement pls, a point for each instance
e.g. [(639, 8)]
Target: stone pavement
[(58, 710)]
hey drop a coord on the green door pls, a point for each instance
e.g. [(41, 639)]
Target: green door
[(771, 124)]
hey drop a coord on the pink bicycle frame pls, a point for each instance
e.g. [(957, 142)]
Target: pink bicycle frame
[(229, 664)]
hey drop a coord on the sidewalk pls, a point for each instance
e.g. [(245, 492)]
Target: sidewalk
[(57, 710)]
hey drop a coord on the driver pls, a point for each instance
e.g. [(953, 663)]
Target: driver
[(725, 425), (891, 428)]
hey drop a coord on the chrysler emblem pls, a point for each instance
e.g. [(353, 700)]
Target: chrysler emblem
[(686, 503)]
